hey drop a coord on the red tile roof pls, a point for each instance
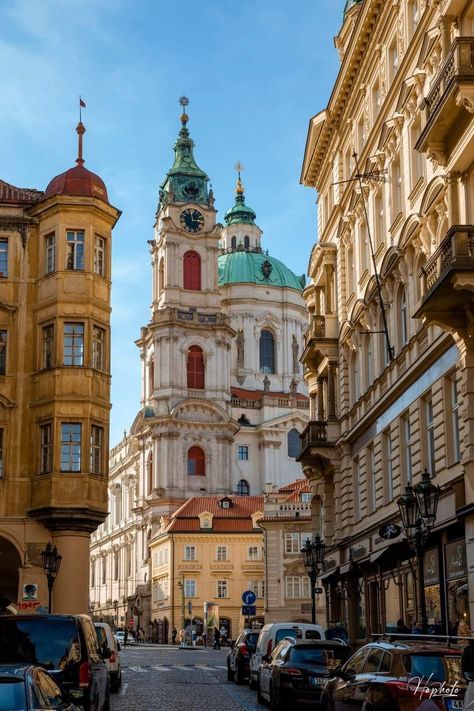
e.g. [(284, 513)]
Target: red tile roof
[(242, 394), (11, 194), (235, 519)]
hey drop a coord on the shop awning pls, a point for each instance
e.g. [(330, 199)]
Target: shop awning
[(377, 555), (329, 573), (346, 568)]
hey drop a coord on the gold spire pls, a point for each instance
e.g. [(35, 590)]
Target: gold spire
[(184, 101), (239, 188)]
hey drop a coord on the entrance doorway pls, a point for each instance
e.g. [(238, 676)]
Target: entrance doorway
[(10, 564)]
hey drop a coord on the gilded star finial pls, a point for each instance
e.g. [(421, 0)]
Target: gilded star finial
[(239, 187), (184, 101)]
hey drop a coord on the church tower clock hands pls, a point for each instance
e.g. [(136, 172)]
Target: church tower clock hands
[(185, 423)]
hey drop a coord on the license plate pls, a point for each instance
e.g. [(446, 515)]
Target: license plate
[(315, 680), (454, 704)]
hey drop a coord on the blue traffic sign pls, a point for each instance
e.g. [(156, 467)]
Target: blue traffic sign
[(249, 610), (248, 597)]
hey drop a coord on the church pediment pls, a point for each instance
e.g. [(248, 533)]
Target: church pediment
[(200, 411)]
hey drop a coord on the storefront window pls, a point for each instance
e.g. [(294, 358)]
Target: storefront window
[(459, 622), (432, 591), (392, 604), (360, 610)]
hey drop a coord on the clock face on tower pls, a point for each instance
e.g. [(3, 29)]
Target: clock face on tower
[(192, 220)]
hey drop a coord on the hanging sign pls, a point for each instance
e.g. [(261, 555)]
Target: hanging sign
[(456, 564), (389, 531)]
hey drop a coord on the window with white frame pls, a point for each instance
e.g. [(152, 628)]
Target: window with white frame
[(221, 553), (73, 344), (253, 553), (407, 446), (99, 255), (371, 476), (429, 433), (454, 406), (257, 586), (98, 348), (189, 587), (297, 586), (222, 588), (50, 253), (71, 433), (292, 543), (388, 461), (96, 450), (75, 250), (305, 497), (242, 452), (189, 552), (3, 257)]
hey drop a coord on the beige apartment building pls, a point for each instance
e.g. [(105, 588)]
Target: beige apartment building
[(388, 350), (203, 558), (55, 279), (287, 525)]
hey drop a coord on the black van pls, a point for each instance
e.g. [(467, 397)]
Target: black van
[(65, 645)]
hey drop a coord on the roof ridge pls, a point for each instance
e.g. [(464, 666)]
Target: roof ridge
[(11, 193)]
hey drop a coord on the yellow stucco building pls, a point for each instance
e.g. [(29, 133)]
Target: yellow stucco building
[(204, 557), (55, 280)]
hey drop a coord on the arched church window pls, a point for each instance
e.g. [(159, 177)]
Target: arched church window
[(196, 462), (243, 488), (267, 352), (233, 242), (195, 368), (246, 242), (192, 271), (161, 275), (149, 473), (294, 443)]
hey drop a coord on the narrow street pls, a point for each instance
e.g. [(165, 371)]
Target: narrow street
[(163, 677)]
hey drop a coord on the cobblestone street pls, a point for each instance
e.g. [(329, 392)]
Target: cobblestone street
[(171, 678)]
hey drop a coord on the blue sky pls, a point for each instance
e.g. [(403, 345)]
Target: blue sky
[(255, 71)]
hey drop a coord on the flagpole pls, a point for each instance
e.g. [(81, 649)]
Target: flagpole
[(80, 109)]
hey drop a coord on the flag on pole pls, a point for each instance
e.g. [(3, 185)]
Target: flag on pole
[(82, 103)]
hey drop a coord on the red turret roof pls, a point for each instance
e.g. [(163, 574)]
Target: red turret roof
[(78, 181)]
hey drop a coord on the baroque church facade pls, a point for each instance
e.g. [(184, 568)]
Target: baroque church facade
[(223, 398)]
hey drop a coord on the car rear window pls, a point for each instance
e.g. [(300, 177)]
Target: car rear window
[(435, 667), (12, 694), (53, 644), (296, 633), (329, 658)]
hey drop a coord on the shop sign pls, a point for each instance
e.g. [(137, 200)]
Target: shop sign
[(431, 567), (456, 564), (389, 531)]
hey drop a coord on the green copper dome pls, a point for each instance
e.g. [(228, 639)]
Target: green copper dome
[(351, 3), (256, 267), (240, 212), (185, 181)]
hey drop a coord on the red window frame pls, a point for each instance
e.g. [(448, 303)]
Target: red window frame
[(192, 271), (195, 368), (196, 462)]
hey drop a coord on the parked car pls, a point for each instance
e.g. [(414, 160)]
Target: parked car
[(296, 671), (398, 675), (66, 646), (120, 637), (25, 686), (274, 632), (238, 658), (107, 641)]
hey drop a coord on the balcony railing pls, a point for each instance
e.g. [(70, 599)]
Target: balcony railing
[(456, 251), (460, 64), (315, 433)]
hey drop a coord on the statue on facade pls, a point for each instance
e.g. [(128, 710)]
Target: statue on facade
[(240, 341), (295, 349), (293, 387), (266, 384)]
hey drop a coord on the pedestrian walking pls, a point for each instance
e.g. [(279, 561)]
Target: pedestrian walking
[(125, 637), (174, 632), (217, 639), (182, 638), (402, 628)]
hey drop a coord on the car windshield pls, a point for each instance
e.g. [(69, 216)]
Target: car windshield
[(434, 667), (12, 694), (49, 642), (329, 658)]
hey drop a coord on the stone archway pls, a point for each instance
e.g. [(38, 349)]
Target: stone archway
[(10, 564)]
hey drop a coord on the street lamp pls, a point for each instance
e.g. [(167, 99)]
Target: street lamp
[(51, 562), (313, 559), (418, 506)]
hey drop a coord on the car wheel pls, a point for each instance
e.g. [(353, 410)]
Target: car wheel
[(274, 704), (252, 682), (230, 673), (239, 676), (115, 686)]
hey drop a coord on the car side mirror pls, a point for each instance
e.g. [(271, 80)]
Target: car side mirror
[(469, 676), (106, 653)]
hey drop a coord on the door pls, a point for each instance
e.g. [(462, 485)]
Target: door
[(347, 687)]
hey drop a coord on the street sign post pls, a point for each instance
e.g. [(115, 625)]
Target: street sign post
[(248, 597), (249, 610)]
